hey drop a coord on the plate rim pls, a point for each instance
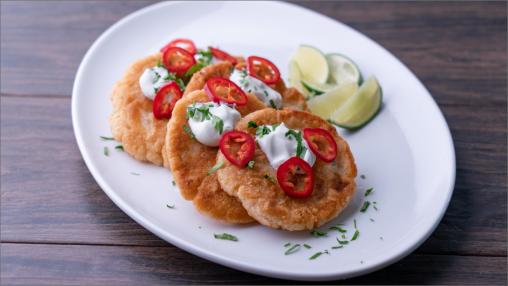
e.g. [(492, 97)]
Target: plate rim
[(232, 262)]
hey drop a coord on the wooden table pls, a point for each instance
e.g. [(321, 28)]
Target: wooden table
[(58, 227)]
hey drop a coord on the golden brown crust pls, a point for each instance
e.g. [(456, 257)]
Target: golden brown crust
[(211, 200), (132, 121), (264, 200), (190, 161), (198, 80), (293, 99)]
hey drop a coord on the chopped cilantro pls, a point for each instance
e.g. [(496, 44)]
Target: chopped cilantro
[(300, 149), (307, 246), (252, 124), (338, 228), (119, 147), (317, 233), (106, 151), (316, 255), (170, 206), (355, 236), (106, 138), (368, 191), (218, 124), (292, 249), (272, 104), (225, 236), (250, 165), (365, 206), (262, 130), (215, 168), (188, 131)]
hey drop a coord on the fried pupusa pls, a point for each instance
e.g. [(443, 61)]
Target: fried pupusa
[(132, 122), (190, 162), (265, 201), (291, 97)]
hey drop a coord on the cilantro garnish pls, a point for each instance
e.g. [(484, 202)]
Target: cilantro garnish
[(300, 149), (262, 130), (225, 236), (215, 168), (365, 206)]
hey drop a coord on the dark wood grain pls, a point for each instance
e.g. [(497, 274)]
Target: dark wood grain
[(57, 226), (135, 265)]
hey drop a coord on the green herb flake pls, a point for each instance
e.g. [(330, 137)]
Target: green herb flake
[(106, 138), (159, 64), (292, 249), (371, 219), (218, 124), (262, 130), (173, 183), (315, 255), (342, 242), (119, 147), (188, 131), (307, 246), (300, 149), (193, 69), (250, 165), (368, 191), (343, 236), (135, 174), (106, 151), (215, 168), (338, 228), (287, 244), (337, 247), (272, 104), (170, 206), (225, 236), (252, 124), (354, 222), (317, 233), (365, 206), (355, 236), (362, 176)]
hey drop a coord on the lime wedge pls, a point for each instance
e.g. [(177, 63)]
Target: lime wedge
[(295, 77), (317, 88), (361, 107), (343, 69), (325, 104), (312, 63)]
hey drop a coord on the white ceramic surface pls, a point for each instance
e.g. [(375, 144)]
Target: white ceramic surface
[(406, 153)]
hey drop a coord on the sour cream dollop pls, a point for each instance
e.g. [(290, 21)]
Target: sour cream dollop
[(207, 120), (262, 91), (152, 79), (279, 144)]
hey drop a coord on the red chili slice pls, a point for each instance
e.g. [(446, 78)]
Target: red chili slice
[(222, 55), (321, 142), (165, 100), (238, 147), (178, 60), (296, 178), (263, 69), (222, 89), (185, 44)]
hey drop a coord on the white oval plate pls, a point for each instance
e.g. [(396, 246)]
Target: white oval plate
[(406, 153)]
